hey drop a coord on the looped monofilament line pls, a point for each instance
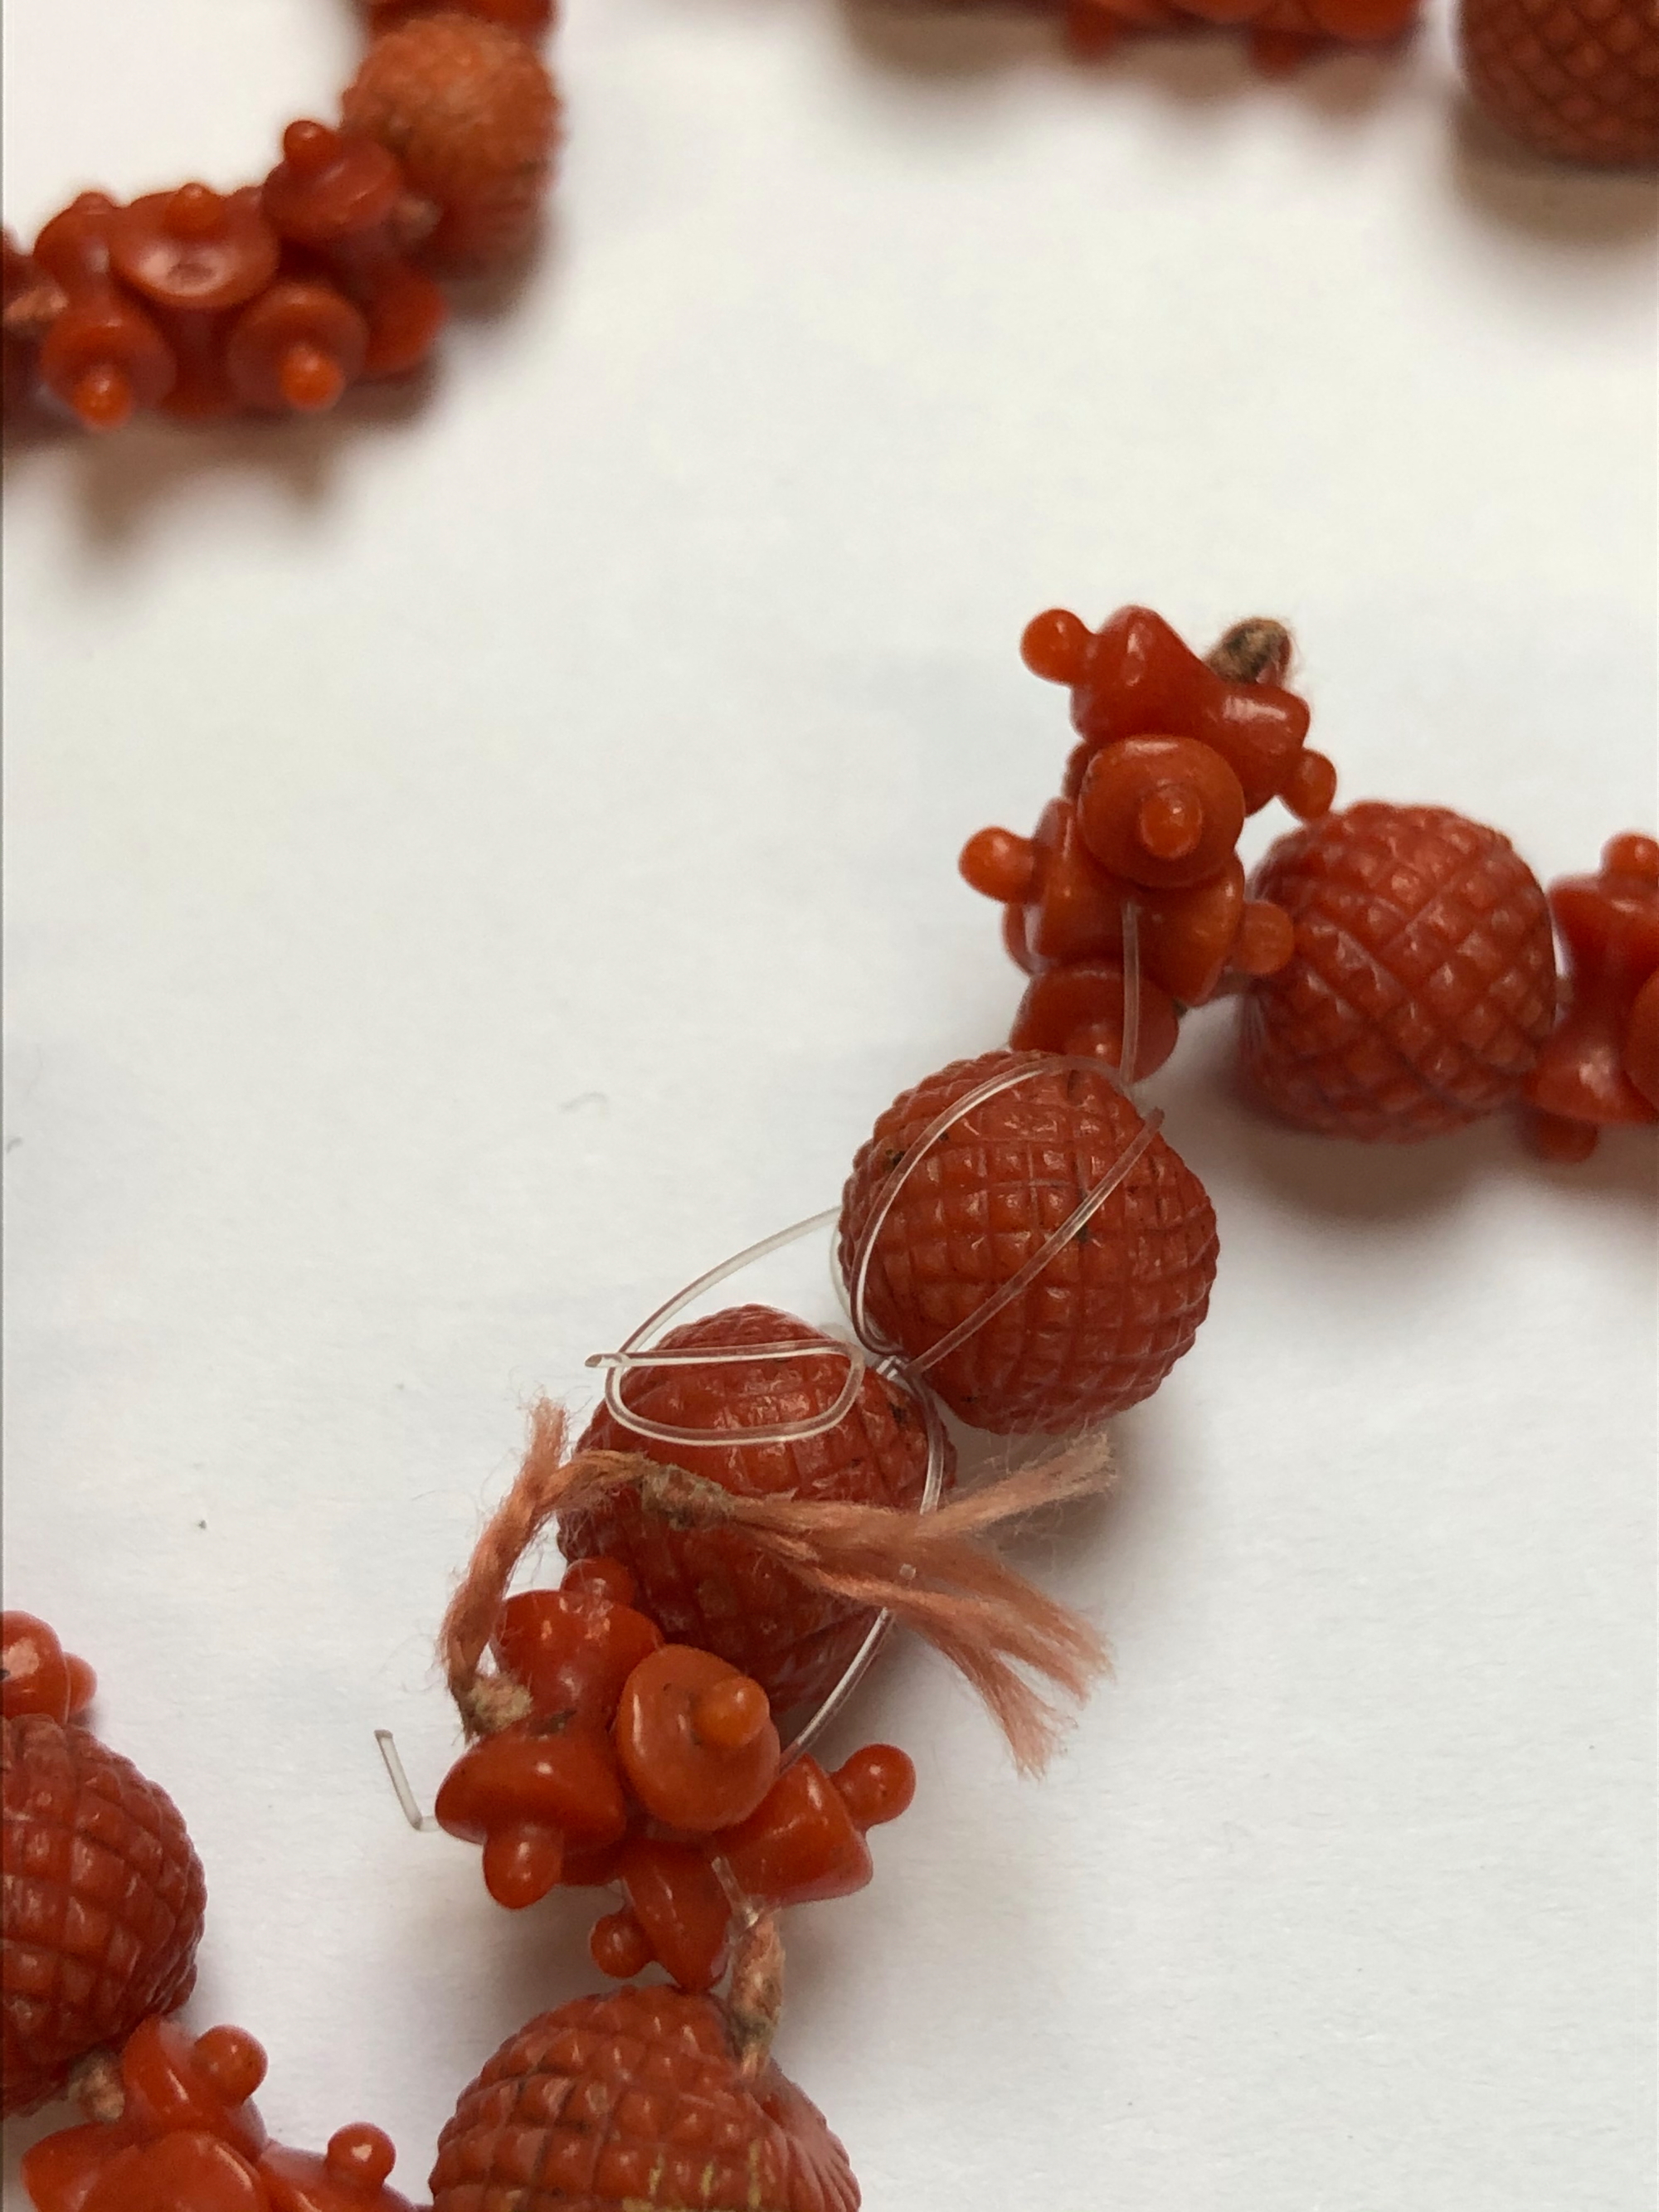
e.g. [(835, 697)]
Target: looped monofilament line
[(935, 1573)]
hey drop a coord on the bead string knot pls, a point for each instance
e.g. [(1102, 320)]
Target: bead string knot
[(678, 1497)]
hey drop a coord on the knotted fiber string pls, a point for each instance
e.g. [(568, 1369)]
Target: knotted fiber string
[(935, 1571)]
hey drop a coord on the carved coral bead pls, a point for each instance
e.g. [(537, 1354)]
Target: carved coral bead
[(712, 1587), (633, 2102), (1577, 79), (103, 1904), (1101, 1325), (1423, 982)]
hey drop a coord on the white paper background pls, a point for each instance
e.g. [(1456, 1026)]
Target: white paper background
[(477, 861)]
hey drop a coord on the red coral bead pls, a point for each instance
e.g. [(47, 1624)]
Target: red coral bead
[(103, 355), (1641, 1040), (711, 1587), (37, 1675), (193, 248), (328, 187), (633, 2102), (103, 1904), (1422, 987), (878, 1783), (1162, 812), (298, 346), (1608, 926), (681, 1910), (526, 1792), (1110, 1314), (349, 2177), (182, 2172), (573, 1650), (471, 114), (1134, 677), (1078, 1008), (802, 1845), (620, 1947), (696, 1739), (1578, 79)]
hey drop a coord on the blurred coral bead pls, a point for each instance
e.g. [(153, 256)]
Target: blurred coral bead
[(1577, 79), (103, 1904), (634, 2102), (1423, 983), (712, 1587), (471, 114), (37, 1675)]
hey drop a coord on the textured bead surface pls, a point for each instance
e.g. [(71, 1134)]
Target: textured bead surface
[(1111, 1313), (633, 2101), (711, 1587), (1576, 78), (1423, 983), (470, 113), (104, 1899)]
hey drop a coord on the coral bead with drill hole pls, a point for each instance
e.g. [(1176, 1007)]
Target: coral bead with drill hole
[(1108, 1314), (712, 1587)]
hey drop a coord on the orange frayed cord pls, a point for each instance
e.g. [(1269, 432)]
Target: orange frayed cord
[(935, 1572)]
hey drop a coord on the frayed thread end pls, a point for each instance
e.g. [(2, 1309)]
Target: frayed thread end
[(937, 1572)]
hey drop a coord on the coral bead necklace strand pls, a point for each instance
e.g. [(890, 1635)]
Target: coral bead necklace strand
[(276, 298), (758, 1499)]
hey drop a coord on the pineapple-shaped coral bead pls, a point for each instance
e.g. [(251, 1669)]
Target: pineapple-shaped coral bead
[(1423, 983), (630, 2102), (1578, 79), (1107, 1316), (712, 1587), (473, 115), (103, 1903)]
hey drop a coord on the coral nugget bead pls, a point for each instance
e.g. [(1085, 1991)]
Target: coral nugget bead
[(805, 1841), (696, 1739), (103, 1904), (37, 1675), (711, 1587), (1423, 982), (527, 1793), (1107, 1316), (572, 1649), (470, 113), (633, 2102), (1591, 1071)]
